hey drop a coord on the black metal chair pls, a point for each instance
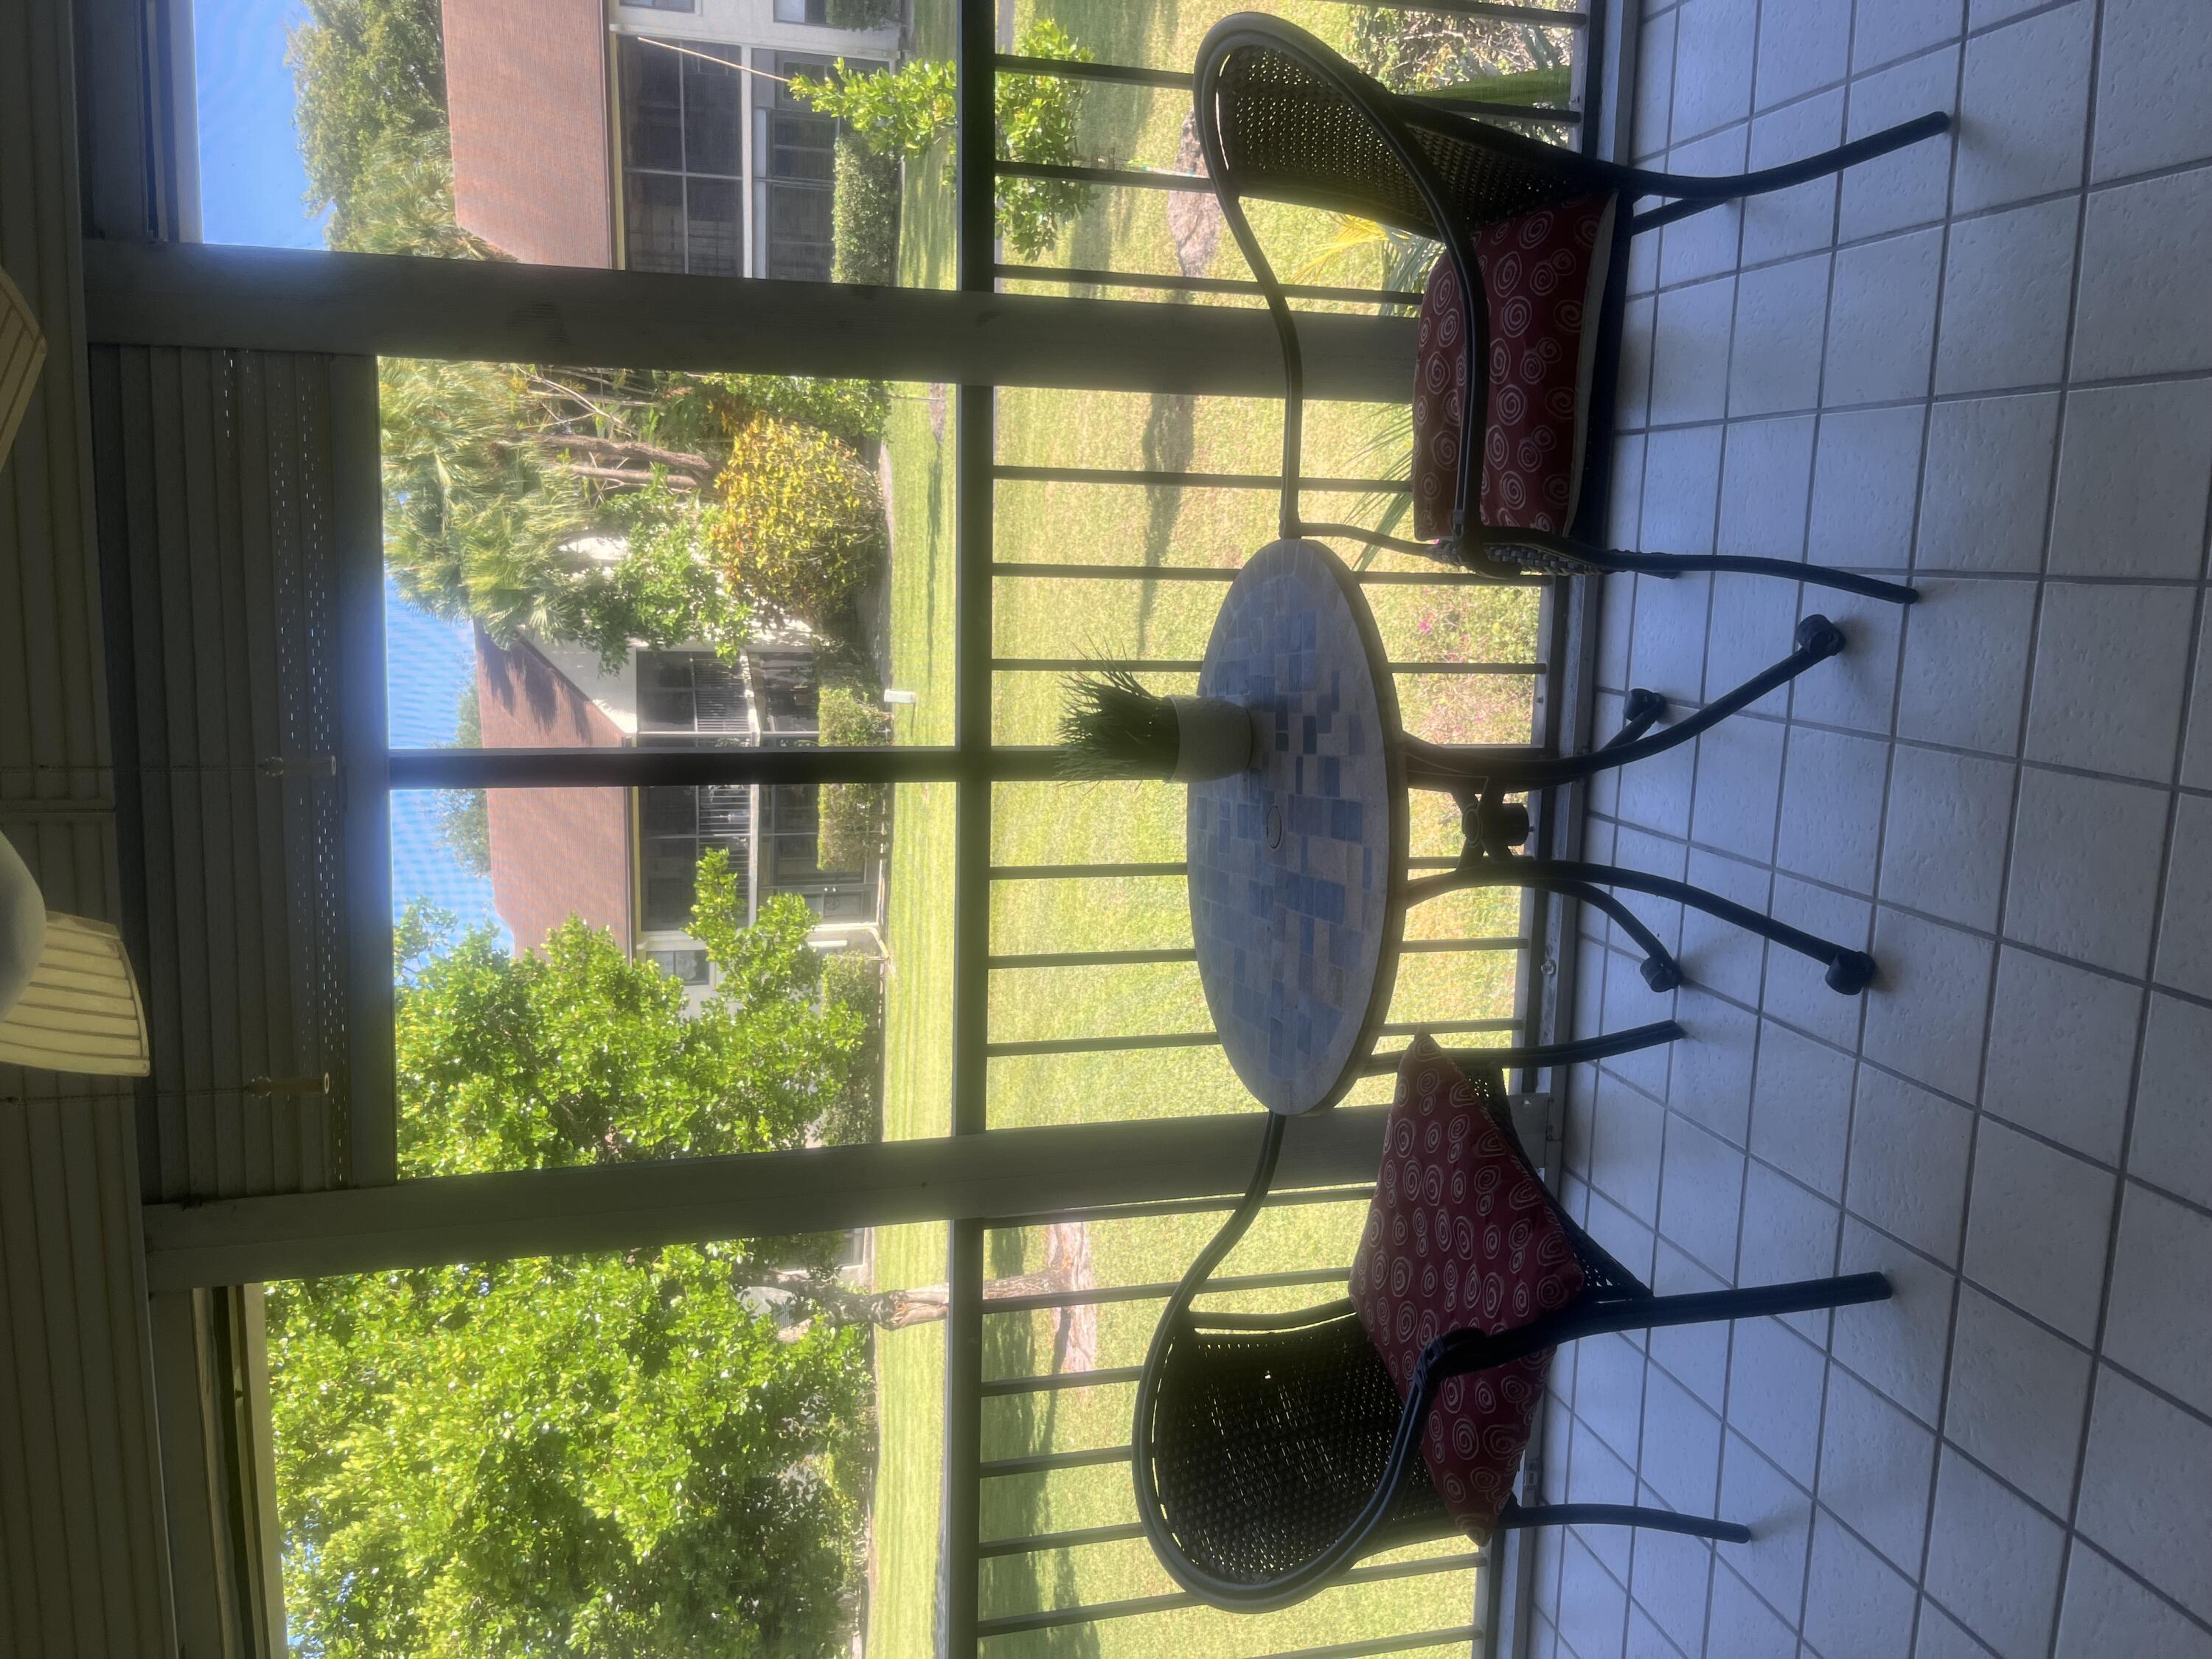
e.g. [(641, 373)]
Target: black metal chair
[(1280, 116), (1273, 1451)]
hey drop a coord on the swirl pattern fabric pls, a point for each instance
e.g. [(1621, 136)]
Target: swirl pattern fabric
[(1460, 1233), (1543, 277)]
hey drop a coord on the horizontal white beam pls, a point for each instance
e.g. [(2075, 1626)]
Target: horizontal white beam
[(1004, 1172), (183, 294)]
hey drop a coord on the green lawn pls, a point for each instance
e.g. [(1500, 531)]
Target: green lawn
[(1051, 823)]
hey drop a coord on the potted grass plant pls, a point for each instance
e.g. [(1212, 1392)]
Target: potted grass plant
[(1113, 727)]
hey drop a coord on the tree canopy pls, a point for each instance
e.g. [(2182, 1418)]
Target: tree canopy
[(607, 1457)]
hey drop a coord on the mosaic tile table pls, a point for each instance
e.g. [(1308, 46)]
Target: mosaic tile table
[(1298, 865)]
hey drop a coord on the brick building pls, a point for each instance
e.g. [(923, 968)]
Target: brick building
[(653, 136)]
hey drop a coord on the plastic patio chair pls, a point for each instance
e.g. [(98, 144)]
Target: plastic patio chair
[(1273, 1451), (1280, 116)]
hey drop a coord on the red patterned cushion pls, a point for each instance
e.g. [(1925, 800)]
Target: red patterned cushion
[(1460, 1234), (1543, 276)]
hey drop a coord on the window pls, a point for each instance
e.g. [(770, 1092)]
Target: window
[(682, 178), (794, 167), (816, 12), (685, 967), (661, 5)]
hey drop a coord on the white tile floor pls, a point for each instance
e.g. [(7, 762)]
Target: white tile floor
[(1988, 362)]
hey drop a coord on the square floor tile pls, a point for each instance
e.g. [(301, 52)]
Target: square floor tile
[(1715, 953), (1781, 319), (2197, 746), (1790, 1233), (1646, 1639), (1855, 1602), (2172, 1142), (1593, 1606), (1803, 46), (1888, 29), (2143, 1480), (2023, 109), (1705, 244), (2153, 67), (1757, 1494), (1616, 621), (1670, 1581), (2019, 1399), (2099, 910), (1983, 499), (1832, 796), (1865, 470), (1858, 690), (1710, 1080), (1775, 1380), (1596, 1476), (1631, 1001), (1994, 1561), (1681, 1446), (1696, 1356), (2184, 937), (1681, 491), (1907, 187), (1743, 1626), (1897, 1346), (1668, 651), (2133, 472), (1875, 1465), (1655, 92), (1626, 1238), (2038, 1229), (1655, 794), (1712, 65), (1638, 849), (1690, 353), (1802, 1107), (1739, 786), (2008, 283), (1796, 986), (2156, 1326), (1882, 319), (1908, 1167), (1609, 1391), (2112, 667), (1929, 1005), (2104, 1613), (1766, 484), (1802, 218), (2061, 1046), (1965, 664), (2141, 308), (1944, 845), (1626, 1136), (1701, 1196), (1941, 1636)]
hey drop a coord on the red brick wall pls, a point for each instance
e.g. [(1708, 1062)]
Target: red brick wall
[(554, 853), (526, 86)]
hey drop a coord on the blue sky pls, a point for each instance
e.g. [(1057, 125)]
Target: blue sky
[(252, 187)]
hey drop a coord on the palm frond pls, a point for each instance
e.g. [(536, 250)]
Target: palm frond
[(1113, 728)]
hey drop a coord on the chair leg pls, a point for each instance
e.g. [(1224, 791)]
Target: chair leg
[(1642, 707), (1697, 194), (1518, 1515), (1581, 1051)]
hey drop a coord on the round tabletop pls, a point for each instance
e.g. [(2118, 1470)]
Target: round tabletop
[(1298, 864)]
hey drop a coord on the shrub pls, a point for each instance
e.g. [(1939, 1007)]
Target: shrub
[(906, 112), (799, 524), (867, 205), (861, 14), (854, 1114), (850, 815)]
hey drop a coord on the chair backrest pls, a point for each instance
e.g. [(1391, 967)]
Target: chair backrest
[(1297, 123)]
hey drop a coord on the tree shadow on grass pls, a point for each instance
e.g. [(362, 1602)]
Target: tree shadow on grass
[(1171, 441), (1020, 1505)]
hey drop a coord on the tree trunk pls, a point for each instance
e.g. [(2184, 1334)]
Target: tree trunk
[(680, 482), (629, 450)]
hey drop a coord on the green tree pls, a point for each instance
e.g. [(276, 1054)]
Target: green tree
[(909, 111), (613, 1455)]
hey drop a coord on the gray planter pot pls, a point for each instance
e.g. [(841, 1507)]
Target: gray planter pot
[(1213, 739)]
